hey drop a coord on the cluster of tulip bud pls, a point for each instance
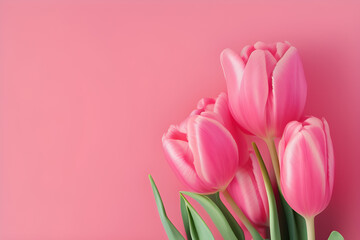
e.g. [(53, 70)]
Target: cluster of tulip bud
[(288, 172)]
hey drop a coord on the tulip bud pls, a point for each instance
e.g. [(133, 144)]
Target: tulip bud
[(202, 150), (307, 166), (248, 191), (266, 86)]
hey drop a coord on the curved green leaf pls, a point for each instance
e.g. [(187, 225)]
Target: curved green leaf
[(185, 217), (274, 220), (335, 236), (216, 215), (171, 231), (198, 228)]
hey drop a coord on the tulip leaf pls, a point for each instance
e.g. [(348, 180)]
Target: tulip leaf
[(185, 217), (290, 219), (335, 236), (301, 226), (229, 217), (216, 215), (273, 218), (171, 231), (192, 227), (198, 228)]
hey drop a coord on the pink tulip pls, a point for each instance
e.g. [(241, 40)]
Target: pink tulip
[(248, 191), (307, 166), (202, 150), (266, 86)]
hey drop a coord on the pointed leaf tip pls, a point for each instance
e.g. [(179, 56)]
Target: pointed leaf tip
[(169, 227), (335, 236)]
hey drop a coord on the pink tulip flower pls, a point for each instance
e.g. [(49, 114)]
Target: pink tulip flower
[(307, 166), (248, 191), (266, 86), (202, 150)]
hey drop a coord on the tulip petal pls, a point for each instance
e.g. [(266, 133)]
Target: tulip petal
[(214, 150), (289, 89), (254, 92), (175, 133), (222, 109), (233, 67), (205, 102), (292, 128), (292, 171), (207, 106), (312, 122), (271, 47), (331, 160), (180, 159), (212, 115), (281, 49), (245, 52), (248, 191)]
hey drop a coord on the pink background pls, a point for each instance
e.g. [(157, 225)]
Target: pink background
[(87, 90)]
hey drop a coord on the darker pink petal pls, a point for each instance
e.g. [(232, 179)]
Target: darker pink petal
[(271, 47), (248, 191), (180, 160), (214, 150), (281, 49), (254, 92), (289, 90), (245, 52), (233, 67)]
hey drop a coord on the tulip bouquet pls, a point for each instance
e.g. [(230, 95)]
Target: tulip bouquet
[(253, 148)]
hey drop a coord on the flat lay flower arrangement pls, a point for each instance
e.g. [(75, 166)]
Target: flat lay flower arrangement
[(253, 146)]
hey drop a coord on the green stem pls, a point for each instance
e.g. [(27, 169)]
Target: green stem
[(274, 158), (310, 227), (254, 233)]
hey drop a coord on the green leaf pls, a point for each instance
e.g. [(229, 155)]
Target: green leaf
[(198, 228), (230, 219), (335, 236), (215, 214), (171, 231), (290, 219), (192, 227), (273, 218), (301, 226), (185, 217)]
